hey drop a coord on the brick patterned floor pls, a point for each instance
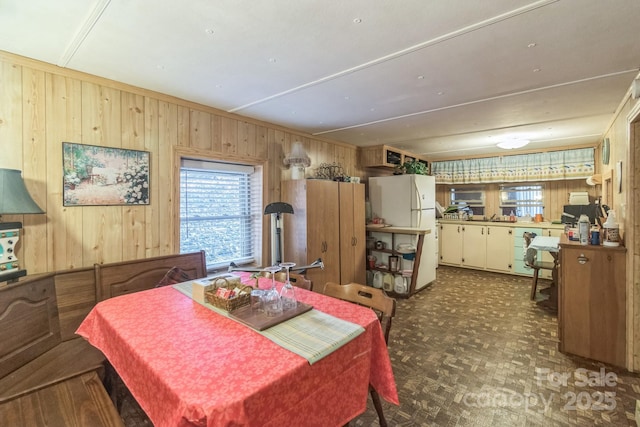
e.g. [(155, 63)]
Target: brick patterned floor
[(473, 350)]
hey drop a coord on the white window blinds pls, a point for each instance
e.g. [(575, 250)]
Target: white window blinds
[(220, 211)]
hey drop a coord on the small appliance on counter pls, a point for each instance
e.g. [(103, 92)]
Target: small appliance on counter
[(579, 198), (571, 213)]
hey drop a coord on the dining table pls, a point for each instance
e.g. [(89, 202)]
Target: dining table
[(187, 364)]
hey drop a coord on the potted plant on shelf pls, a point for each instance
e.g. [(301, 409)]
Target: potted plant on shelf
[(412, 167)]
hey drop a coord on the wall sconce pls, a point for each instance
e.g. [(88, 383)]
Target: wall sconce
[(14, 200)]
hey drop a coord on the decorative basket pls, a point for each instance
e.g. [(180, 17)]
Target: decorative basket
[(228, 304)]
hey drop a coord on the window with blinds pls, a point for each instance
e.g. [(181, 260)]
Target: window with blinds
[(523, 200), (220, 211), (473, 197)]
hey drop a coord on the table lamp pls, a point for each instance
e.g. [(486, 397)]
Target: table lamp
[(14, 200)]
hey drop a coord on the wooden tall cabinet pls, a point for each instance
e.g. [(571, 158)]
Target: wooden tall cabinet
[(329, 223), (353, 249), (592, 302)]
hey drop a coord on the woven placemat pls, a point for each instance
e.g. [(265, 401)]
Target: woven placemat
[(312, 335)]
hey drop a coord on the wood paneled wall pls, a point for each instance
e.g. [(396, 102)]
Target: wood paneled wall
[(42, 105), (556, 195)]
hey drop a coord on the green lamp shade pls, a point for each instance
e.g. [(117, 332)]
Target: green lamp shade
[(14, 197)]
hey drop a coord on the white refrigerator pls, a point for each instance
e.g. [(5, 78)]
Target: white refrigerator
[(409, 201)]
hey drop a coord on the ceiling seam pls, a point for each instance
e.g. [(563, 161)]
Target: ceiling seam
[(451, 35), (477, 101), (83, 32)]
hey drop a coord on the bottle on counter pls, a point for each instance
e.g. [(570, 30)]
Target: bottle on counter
[(512, 217), (611, 230), (584, 226)]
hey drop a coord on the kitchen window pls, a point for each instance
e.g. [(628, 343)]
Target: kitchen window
[(522, 200), (220, 211), (473, 197)]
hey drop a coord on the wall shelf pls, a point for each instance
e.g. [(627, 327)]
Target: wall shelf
[(388, 157)]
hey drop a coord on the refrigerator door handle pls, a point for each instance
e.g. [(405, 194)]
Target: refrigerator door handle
[(417, 190)]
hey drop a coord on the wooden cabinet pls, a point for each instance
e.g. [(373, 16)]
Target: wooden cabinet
[(386, 156), (352, 233), (592, 302), (499, 249), (477, 246), (450, 244), (328, 222), (474, 241)]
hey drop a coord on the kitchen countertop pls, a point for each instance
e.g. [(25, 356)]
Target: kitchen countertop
[(545, 224)]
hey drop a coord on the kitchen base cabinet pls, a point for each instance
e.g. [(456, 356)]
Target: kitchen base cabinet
[(450, 244), (474, 241), (592, 302), (499, 249), (482, 247)]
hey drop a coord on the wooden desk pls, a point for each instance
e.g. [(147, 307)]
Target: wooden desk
[(188, 365)]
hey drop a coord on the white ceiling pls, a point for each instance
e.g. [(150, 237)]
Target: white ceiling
[(441, 78)]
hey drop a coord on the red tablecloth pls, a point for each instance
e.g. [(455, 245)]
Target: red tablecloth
[(187, 365)]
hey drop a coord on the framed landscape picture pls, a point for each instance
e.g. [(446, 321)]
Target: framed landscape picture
[(104, 176)]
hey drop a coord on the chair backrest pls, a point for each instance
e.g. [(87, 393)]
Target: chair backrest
[(297, 280), (529, 254), (376, 299), (528, 238), (530, 257)]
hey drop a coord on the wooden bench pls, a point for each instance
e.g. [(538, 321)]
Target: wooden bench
[(125, 277), (43, 377), (80, 401), (48, 374)]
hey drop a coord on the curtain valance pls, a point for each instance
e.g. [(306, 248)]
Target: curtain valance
[(549, 166)]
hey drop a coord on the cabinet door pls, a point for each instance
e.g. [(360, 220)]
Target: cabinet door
[(352, 233), (323, 231), (451, 244), (499, 248), (593, 303), (474, 242)]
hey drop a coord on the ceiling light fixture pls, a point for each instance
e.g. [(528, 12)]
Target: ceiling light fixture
[(510, 144)]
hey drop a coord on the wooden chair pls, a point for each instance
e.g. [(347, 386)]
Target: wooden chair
[(381, 304), (297, 280), (531, 261)]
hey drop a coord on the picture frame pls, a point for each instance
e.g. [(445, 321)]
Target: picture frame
[(605, 151), (104, 176)]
